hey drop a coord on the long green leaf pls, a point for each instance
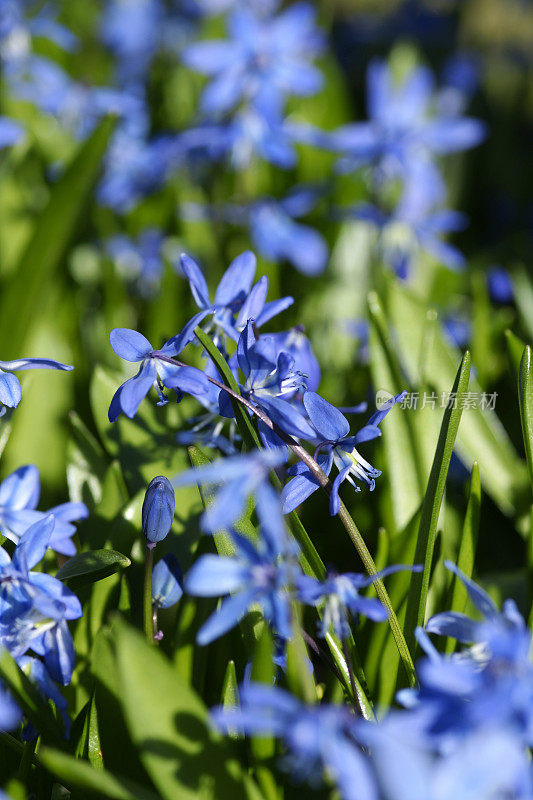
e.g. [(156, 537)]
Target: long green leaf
[(23, 295), (416, 601), (525, 397), (467, 548), (78, 774)]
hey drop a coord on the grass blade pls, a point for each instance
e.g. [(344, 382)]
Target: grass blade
[(525, 399), (417, 597)]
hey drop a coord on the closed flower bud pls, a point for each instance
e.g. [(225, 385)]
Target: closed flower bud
[(158, 509)]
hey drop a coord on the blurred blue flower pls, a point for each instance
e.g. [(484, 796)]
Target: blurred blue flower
[(10, 389), (154, 370), (10, 132), (139, 260), (158, 510), (238, 477), (167, 582), (264, 60), (261, 573), (19, 496), (340, 594), (402, 129), (500, 285), (132, 29), (319, 739), (331, 429)]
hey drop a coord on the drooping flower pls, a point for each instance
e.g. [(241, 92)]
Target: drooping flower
[(167, 582), (331, 433)]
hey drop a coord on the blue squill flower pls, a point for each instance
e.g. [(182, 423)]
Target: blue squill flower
[(264, 59), (167, 582), (320, 740), (132, 30), (331, 433), (33, 605), (19, 496), (270, 381), (154, 370), (237, 477), (139, 260), (10, 390), (341, 598), (279, 237), (401, 127), (260, 573), (158, 510), (236, 300), (10, 717)]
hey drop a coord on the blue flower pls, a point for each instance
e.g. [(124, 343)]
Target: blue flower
[(158, 510), (331, 429), (238, 477), (154, 370), (34, 606), (319, 739), (341, 597), (167, 582), (236, 300), (264, 60), (500, 285), (139, 260), (262, 573), (270, 381), (10, 390), (278, 237), (19, 496), (10, 132), (132, 30), (401, 129)]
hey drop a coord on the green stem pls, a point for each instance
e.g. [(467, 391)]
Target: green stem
[(26, 761), (148, 620), (344, 516)]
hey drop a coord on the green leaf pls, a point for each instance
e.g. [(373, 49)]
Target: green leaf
[(169, 726), (432, 360), (78, 774), (22, 297), (28, 697), (515, 347), (523, 295), (525, 398), (399, 437), (467, 549), (416, 601), (92, 565)]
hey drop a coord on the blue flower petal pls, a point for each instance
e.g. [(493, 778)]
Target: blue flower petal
[(330, 423), (237, 280), (129, 345), (197, 282), (226, 617), (10, 390), (214, 575)]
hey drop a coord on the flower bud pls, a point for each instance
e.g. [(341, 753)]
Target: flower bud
[(158, 510)]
